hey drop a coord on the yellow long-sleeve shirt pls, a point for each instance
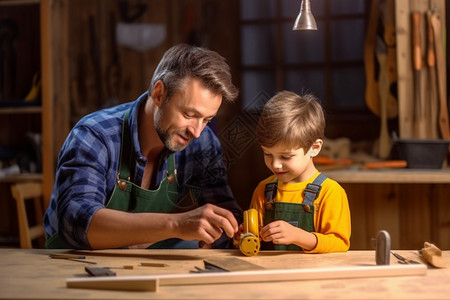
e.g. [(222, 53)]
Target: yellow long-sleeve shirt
[(331, 211)]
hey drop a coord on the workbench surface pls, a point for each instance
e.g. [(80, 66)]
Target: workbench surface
[(430, 176), (32, 274)]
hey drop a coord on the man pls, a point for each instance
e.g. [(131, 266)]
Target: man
[(149, 173)]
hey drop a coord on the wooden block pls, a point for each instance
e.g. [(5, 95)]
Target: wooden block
[(433, 255), (151, 264), (122, 283), (130, 267)]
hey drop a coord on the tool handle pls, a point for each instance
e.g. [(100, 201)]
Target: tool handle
[(431, 57), (440, 56), (416, 41)]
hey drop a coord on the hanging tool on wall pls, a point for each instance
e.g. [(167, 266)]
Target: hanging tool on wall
[(432, 96), (381, 23), (384, 139), (419, 107), (441, 71)]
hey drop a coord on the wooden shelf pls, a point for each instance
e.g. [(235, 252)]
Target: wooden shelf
[(21, 110), (18, 2), (390, 176), (21, 177)]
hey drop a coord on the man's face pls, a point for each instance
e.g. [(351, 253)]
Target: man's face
[(184, 116)]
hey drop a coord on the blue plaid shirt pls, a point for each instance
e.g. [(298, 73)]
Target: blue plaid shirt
[(89, 161)]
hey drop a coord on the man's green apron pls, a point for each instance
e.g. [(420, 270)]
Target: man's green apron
[(130, 197), (300, 215)]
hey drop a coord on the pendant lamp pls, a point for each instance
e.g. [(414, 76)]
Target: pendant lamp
[(305, 19)]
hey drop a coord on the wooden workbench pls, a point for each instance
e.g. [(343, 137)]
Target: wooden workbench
[(411, 204), (31, 274)]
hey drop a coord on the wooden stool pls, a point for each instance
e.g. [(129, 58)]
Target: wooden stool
[(22, 192)]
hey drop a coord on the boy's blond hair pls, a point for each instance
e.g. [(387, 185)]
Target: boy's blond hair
[(292, 120)]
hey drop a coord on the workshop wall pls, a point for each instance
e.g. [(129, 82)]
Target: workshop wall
[(104, 70)]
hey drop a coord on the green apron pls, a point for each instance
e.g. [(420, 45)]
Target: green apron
[(300, 215), (130, 197)]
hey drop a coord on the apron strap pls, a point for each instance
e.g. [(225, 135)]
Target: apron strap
[(312, 190), (125, 150)]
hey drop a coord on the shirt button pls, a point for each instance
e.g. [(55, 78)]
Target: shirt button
[(141, 161)]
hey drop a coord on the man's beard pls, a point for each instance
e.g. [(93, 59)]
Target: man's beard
[(166, 136)]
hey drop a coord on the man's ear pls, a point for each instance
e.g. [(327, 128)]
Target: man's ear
[(315, 148), (158, 93)]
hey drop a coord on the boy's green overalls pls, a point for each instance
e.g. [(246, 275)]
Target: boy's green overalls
[(300, 215)]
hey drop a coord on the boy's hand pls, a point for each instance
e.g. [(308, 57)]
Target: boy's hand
[(279, 232), (283, 233)]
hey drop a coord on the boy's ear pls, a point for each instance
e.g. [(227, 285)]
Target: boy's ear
[(315, 148)]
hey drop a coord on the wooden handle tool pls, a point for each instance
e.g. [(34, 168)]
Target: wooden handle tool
[(419, 120), (384, 140), (432, 105), (442, 87)]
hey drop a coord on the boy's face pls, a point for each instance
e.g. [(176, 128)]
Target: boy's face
[(289, 165)]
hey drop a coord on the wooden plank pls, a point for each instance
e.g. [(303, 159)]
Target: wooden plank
[(152, 283)]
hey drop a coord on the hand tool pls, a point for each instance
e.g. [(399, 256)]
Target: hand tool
[(226, 264), (384, 140), (66, 255), (208, 268), (34, 92), (371, 92), (372, 96), (389, 38), (72, 257), (99, 271), (419, 120), (383, 247), (442, 86), (403, 260), (396, 164), (432, 103)]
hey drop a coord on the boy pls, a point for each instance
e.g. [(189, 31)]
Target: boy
[(299, 207)]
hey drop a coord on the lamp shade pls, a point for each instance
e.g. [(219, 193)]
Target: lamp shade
[(305, 19)]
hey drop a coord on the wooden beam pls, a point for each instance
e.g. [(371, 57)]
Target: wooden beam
[(152, 283)]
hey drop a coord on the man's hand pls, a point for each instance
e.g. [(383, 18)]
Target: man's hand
[(206, 223)]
